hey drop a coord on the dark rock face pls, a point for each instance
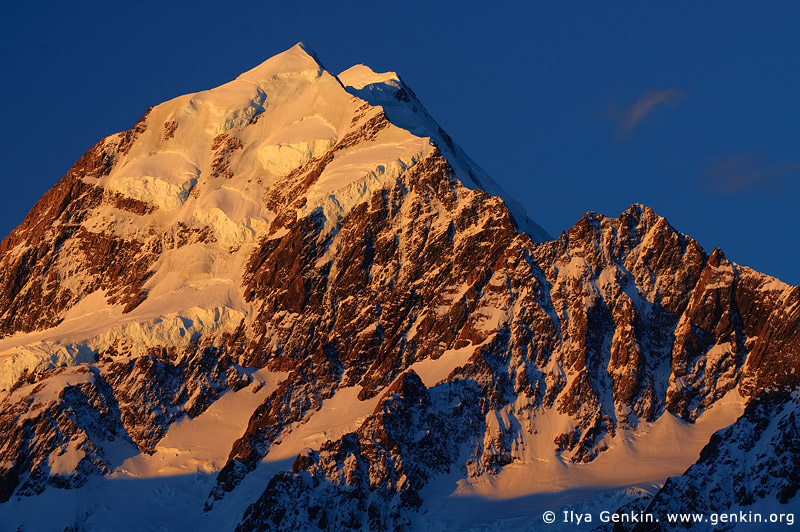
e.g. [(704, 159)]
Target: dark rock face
[(68, 418), (78, 410), (159, 388), (51, 245), (612, 324), (224, 146), (639, 314), (642, 317), (393, 259), (31, 298), (367, 479)]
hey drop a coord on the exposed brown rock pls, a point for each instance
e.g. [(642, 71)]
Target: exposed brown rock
[(224, 145), (169, 129)]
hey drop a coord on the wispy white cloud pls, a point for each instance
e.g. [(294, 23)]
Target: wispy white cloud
[(748, 171), (630, 117)]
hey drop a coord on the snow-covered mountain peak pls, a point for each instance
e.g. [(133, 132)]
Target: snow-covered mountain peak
[(359, 76), (297, 61), (295, 264), (185, 197)]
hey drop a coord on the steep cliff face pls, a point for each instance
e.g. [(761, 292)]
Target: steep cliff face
[(607, 332), (297, 267)]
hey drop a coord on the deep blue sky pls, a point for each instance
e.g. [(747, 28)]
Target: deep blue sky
[(688, 107)]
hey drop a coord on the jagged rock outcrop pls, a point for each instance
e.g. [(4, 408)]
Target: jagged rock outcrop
[(629, 346), (57, 423), (54, 432), (159, 388), (367, 479)]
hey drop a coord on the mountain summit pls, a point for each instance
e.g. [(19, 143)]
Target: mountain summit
[(293, 301), (169, 212)]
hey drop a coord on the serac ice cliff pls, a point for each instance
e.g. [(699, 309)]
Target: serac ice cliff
[(293, 302)]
